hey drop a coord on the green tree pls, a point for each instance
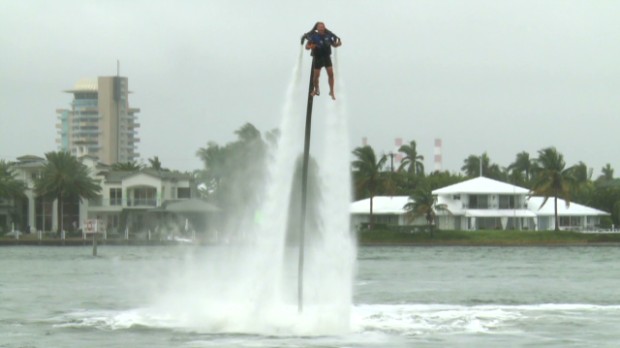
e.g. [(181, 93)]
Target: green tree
[(583, 187), (367, 174), (521, 170), (234, 173), (412, 161), (607, 173), (64, 177), (438, 179), (10, 187), (400, 183), (132, 166), (471, 167), (422, 204), (155, 163), (606, 196), (214, 158), (553, 179)]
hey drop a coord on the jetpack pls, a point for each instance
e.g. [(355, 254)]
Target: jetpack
[(308, 35)]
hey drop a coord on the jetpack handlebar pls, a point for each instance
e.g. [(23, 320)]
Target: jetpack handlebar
[(306, 36)]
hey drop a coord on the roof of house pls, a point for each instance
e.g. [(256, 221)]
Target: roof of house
[(481, 185), (574, 209), (380, 205), (30, 158), (85, 85)]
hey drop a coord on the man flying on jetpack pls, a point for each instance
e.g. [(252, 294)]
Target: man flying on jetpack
[(320, 41)]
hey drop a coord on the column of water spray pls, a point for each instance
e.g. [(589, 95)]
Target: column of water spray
[(331, 257)]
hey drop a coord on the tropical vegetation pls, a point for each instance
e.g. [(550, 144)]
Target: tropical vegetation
[(232, 174), (422, 203), (10, 186), (64, 178), (132, 166), (367, 174)]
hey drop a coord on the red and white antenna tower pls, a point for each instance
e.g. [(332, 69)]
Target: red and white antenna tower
[(438, 159), (398, 142)]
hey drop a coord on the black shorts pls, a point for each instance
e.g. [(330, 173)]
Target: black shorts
[(320, 62)]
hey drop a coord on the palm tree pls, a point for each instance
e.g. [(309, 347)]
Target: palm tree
[(248, 133), (581, 173), (10, 187), (412, 161), (583, 187), (214, 158), (607, 173), (64, 177), (367, 173), (235, 170), (155, 163), (422, 204), (553, 179), (522, 168), (132, 166), (471, 167)]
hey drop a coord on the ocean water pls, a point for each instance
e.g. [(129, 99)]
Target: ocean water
[(402, 297)]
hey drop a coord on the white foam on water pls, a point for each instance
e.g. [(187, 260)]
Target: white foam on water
[(374, 325), (113, 320), (423, 319)]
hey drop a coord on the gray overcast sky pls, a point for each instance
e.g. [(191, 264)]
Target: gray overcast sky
[(494, 76)]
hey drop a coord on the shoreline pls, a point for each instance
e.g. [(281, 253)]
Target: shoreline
[(417, 244), (379, 238), (89, 242), (488, 238), (562, 244)]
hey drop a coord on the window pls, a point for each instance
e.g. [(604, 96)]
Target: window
[(116, 196), (143, 196), (506, 202), (183, 192), (478, 202)]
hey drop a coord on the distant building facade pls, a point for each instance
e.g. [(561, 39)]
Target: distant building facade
[(100, 122), (482, 203), (136, 201)]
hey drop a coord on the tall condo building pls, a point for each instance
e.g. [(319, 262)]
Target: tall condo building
[(100, 122)]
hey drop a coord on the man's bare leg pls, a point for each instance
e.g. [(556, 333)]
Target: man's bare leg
[(315, 82), (330, 75)]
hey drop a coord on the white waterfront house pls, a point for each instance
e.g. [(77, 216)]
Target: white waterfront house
[(574, 217), (127, 199), (482, 203), (388, 210)]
